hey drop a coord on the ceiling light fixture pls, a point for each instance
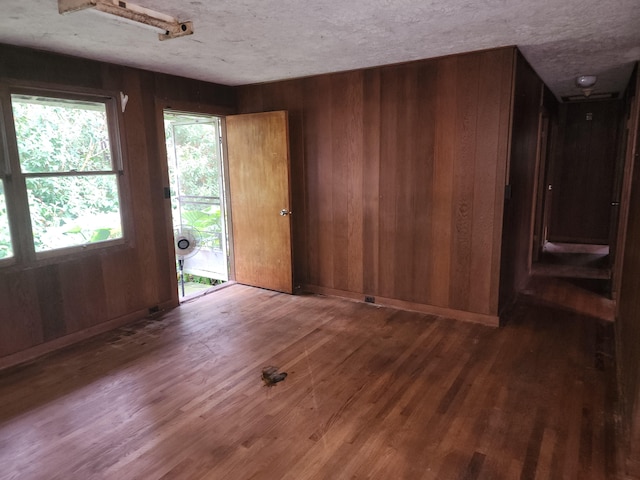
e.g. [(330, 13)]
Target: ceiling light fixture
[(586, 83), (169, 26)]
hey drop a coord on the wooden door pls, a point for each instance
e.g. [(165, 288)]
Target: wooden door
[(583, 174), (259, 188)]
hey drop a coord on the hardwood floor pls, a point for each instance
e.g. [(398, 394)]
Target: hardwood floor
[(371, 392), (570, 260)]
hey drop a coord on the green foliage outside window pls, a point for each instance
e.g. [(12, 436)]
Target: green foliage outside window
[(68, 142)]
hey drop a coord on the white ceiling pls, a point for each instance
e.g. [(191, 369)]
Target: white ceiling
[(249, 41)]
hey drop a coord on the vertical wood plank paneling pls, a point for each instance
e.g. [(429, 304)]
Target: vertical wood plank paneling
[(141, 195), (427, 221), (252, 99), (298, 187), (507, 65), (463, 180), (422, 186), (197, 92), (406, 168), (628, 282), (292, 94), (441, 231), (318, 140), (50, 301), (371, 180), (517, 226), (485, 183), (355, 179), (21, 324), (83, 294), (339, 180), (161, 264), (120, 276), (312, 219), (390, 163)]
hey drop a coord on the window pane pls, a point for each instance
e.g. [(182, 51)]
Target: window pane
[(57, 135), (6, 249), (73, 210), (196, 148)]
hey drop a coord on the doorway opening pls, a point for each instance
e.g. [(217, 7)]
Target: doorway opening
[(198, 207)]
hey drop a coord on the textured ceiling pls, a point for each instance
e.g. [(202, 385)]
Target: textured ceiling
[(249, 41)]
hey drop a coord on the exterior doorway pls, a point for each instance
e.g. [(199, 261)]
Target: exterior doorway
[(198, 208)]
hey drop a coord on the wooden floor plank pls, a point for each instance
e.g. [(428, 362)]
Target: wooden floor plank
[(371, 392)]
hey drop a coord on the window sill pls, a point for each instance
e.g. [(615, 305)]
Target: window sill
[(65, 255)]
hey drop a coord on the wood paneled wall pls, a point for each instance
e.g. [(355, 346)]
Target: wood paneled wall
[(68, 298), (628, 315), (398, 179), (522, 174)]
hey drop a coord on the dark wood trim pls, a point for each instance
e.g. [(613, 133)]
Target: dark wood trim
[(489, 320), (632, 151)]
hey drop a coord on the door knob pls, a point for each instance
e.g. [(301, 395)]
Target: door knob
[(284, 212)]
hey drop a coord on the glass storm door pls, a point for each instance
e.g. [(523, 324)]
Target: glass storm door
[(194, 157)]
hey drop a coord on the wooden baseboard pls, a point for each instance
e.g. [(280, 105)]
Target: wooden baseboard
[(42, 349), (489, 320)]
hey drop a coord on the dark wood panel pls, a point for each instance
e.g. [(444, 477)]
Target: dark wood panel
[(143, 204), (339, 180), (628, 312), (370, 393), (318, 146), (444, 161), (404, 185), (160, 264), (464, 171), (392, 165), (51, 303), (422, 185), (518, 227), (185, 90), (394, 205), (583, 172), (20, 321), (83, 296), (371, 181), (18, 64), (492, 126), (347, 96)]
